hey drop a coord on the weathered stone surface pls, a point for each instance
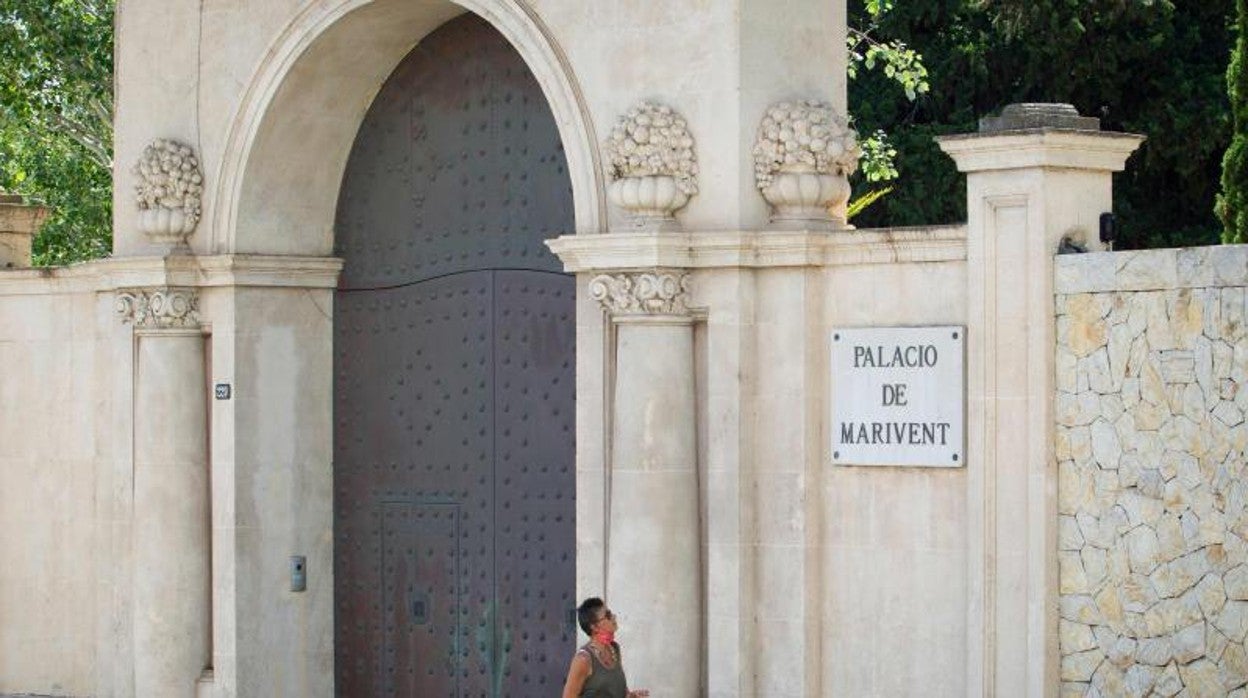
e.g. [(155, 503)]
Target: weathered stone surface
[(1106, 449), (1187, 318), (1170, 542), (1162, 545), (1136, 594), (1211, 595), (1151, 484), (1079, 666), (1100, 377), (1121, 652), (1215, 643), (1228, 413), (1075, 409), (1152, 387), (1139, 681), (1236, 582), (1169, 615), (1233, 669), (1169, 683), (1200, 679), (1141, 510), (1189, 643), (1095, 565), (1142, 549), (1072, 579), (1233, 621), (1178, 366), (1087, 331), (1174, 578), (1081, 609), (1068, 535), (1154, 651), (1076, 637), (1109, 680), (1203, 359)]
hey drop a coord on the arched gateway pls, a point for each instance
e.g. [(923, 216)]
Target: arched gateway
[(454, 336)]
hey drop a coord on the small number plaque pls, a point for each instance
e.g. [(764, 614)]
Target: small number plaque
[(221, 391)]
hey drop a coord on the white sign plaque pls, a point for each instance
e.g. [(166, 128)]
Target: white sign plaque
[(898, 396)]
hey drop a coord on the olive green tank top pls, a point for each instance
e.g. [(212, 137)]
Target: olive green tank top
[(604, 682)]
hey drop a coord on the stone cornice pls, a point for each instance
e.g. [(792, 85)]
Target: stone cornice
[(1041, 147), (176, 271), (610, 251)]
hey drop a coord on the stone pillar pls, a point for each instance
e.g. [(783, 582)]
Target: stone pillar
[(654, 578), (172, 597), (1036, 175), (18, 224)]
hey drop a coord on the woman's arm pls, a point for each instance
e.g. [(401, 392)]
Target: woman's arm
[(577, 673)]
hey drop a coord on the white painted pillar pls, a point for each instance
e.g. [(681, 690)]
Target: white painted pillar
[(172, 585), (654, 576), (1035, 175)]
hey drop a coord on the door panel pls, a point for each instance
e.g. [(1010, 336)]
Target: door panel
[(454, 359)]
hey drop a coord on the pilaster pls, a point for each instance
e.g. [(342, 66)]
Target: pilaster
[(1036, 176), (654, 575), (171, 542)]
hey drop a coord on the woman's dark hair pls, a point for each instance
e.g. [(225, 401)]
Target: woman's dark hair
[(587, 613)]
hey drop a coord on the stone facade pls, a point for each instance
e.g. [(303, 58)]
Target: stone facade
[(1152, 365), (147, 526)]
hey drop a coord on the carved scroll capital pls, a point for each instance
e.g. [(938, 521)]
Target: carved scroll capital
[(657, 292), (159, 308)]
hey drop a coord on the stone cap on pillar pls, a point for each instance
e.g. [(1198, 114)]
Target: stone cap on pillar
[(1040, 135), (19, 222)]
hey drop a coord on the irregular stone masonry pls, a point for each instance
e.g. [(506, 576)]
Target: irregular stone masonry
[(1152, 392)]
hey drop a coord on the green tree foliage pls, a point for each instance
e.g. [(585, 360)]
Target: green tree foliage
[(1233, 201), (1154, 67), (56, 120)]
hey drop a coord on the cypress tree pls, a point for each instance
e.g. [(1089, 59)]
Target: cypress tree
[(1232, 205)]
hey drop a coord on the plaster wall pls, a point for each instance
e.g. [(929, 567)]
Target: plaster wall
[(57, 507), (894, 540), (820, 580)]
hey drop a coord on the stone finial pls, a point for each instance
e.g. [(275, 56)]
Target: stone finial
[(803, 156), (1035, 115), (658, 292), (18, 224), (652, 164), (170, 191), (159, 308)]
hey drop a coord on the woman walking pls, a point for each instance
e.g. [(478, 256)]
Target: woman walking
[(596, 668)]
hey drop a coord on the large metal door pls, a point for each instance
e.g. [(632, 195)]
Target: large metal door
[(454, 534)]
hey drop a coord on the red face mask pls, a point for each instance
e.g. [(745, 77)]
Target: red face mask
[(605, 637)]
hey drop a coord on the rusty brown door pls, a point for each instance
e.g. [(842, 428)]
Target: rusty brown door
[(454, 548)]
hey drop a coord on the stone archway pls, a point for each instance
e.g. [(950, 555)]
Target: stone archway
[(289, 141)]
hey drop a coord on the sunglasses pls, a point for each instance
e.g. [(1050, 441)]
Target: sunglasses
[(606, 615)]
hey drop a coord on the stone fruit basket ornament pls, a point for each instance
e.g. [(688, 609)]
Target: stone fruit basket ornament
[(652, 166), (803, 157), (169, 191)]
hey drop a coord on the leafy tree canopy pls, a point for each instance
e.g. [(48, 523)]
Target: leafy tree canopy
[(56, 120), (1155, 67)]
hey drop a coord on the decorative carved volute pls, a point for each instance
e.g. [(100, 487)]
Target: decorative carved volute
[(169, 193), (159, 308), (643, 293)]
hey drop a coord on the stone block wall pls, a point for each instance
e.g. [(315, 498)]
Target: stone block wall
[(1150, 438)]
